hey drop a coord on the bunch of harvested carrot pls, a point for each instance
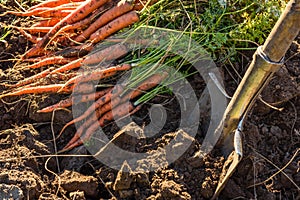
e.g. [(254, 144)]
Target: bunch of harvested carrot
[(87, 21), (67, 30), (110, 107)]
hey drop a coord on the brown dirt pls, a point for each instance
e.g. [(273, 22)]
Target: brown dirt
[(271, 143)]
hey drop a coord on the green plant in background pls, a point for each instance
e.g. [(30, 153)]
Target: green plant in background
[(256, 23), (215, 26), (220, 27), (4, 33)]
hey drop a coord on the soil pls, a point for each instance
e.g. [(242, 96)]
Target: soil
[(29, 170)]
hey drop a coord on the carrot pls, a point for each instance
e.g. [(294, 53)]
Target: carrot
[(52, 3), (98, 113), (75, 100), (55, 13), (28, 36), (147, 84), (41, 12), (50, 61), (114, 26), (61, 77), (110, 53), (70, 5), (81, 12), (47, 23), (80, 88), (76, 51), (106, 17), (35, 29), (120, 111), (101, 101), (35, 90), (32, 79), (72, 65), (97, 75), (80, 131), (87, 20)]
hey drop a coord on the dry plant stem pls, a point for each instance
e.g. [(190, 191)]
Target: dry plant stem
[(81, 12), (116, 91), (116, 11), (139, 5), (75, 100), (114, 26)]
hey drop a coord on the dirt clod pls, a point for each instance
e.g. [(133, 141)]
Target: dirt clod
[(11, 192), (73, 181)]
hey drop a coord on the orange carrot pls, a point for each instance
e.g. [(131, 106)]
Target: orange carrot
[(81, 24), (28, 36), (36, 29), (41, 12), (75, 100), (61, 77), (114, 26), (106, 17), (84, 88), (106, 107), (147, 84), (55, 13), (52, 3), (35, 90), (110, 53), (101, 101), (120, 111), (32, 79), (47, 23), (75, 51), (71, 5), (97, 74), (80, 131), (50, 61), (72, 65), (81, 12)]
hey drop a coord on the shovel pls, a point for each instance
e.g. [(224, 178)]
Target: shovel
[(266, 61)]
